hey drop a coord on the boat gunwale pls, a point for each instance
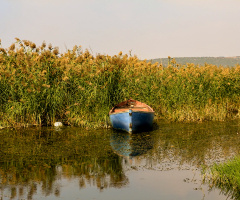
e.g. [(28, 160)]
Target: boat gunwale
[(127, 111)]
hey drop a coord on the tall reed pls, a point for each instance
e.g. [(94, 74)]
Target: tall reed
[(39, 86)]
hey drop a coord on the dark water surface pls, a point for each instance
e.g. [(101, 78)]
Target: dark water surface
[(72, 163)]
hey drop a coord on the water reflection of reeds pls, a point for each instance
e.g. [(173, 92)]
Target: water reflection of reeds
[(35, 159), (31, 158), (196, 144)]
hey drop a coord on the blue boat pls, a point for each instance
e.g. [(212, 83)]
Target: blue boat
[(132, 116)]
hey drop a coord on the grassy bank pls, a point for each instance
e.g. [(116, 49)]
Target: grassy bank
[(38, 85), (226, 176)]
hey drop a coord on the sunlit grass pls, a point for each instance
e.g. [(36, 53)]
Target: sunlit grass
[(38, 85), (226, 176)]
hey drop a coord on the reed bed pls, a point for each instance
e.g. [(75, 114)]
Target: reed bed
[(38, 85)]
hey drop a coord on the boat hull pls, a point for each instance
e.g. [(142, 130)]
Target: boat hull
[(132, 121)]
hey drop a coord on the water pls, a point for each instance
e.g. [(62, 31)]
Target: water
[(72, 163)]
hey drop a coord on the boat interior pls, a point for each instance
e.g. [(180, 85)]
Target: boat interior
[(131, 104)]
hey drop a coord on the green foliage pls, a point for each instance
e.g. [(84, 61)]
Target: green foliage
[(227, 177), (40, 86)]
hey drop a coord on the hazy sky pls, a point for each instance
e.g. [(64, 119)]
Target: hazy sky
[(149, 28)]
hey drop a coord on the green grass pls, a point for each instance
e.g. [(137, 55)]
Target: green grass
[(227, 177)]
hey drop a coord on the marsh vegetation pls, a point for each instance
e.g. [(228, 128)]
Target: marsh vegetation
[(39, 86)]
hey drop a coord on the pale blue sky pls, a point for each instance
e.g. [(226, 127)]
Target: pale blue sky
[(149, 28)]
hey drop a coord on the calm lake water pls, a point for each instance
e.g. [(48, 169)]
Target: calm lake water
[(72, 163)]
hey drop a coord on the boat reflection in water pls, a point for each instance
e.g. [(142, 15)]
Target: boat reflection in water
[(129, 146)]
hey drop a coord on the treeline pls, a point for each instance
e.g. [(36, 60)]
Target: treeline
[(219, 61)]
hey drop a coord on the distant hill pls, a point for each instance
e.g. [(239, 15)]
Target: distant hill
[(223, 61)]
